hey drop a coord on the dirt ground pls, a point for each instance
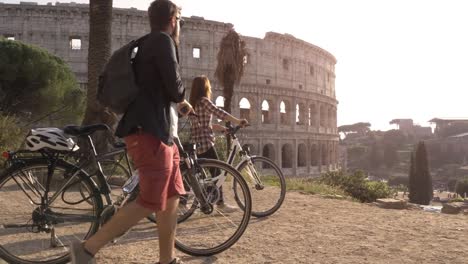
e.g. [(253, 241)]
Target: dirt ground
[(312, 229)]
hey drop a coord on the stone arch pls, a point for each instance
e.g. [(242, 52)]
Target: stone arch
[(245, 109), (219, 101), (312, 115), (330, 118), (267, 114), (322, 115), (334, 124), (285, 111), (269, 151), (301, 118), (324, 154), (286, 156), (301, 155), (314, 155)]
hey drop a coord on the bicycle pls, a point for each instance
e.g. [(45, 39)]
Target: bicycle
[(42, 225), (208, 188), (261, 173)]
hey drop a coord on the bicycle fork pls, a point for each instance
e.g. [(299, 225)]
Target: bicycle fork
[(205, 206)]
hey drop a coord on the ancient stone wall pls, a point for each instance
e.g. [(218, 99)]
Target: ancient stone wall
[(288, 89)]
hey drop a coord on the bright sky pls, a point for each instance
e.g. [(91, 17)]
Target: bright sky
[(396, 58)]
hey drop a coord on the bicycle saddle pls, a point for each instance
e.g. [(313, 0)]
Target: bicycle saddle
[(84, 130)]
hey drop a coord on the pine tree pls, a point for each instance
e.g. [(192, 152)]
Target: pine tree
[(420, 181)]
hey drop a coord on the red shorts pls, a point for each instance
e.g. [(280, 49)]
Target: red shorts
[(158, 169)]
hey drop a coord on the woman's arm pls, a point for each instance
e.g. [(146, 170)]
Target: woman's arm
[(220, 113), (219, 128)]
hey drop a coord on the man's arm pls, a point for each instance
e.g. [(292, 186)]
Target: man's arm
[(168, 66)]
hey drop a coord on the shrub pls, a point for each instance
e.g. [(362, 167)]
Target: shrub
[(35, 83), (11, 135), (456, 200), (357, 185), (376, 190)]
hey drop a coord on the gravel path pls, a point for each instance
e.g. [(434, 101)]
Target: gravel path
[(311, 229)]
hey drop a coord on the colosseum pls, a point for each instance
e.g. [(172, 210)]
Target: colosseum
[(287, 91)]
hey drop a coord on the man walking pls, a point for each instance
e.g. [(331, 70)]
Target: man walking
[(149, 128)]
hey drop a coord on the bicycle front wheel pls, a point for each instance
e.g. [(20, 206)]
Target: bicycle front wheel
[(33, 231), (267, 185), (211, 232)]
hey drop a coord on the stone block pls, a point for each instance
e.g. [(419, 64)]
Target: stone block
[(390, 203)]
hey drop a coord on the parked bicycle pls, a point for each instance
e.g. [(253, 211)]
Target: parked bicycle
[(267, 182), (48, 201)]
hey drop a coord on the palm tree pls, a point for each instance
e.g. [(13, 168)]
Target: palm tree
[(231, 59), (99, 50)]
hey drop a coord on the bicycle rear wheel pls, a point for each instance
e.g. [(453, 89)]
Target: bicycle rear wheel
[(116, 175), (267, 185), (206, 234), (33, 232)]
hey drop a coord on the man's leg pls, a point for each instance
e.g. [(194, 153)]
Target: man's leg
[(124, 219), (167, 222)]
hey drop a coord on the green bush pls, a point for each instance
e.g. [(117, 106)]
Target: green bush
[(35, 83), (456, 200), (357, 185), (376, 190), (11, 135)]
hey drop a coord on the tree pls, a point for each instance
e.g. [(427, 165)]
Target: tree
[(34, 82), (231, 59), (100, 40), (420, 181), (360, 128)]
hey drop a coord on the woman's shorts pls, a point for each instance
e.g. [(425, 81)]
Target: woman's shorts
[(158, 169)]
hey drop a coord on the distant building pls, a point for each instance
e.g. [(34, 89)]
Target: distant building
[(458, 125), (288, 86), (406, 125)]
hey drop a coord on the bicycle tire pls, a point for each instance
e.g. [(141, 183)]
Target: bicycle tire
[(267, 171), (115, 174), (74, 223), (205, 242)]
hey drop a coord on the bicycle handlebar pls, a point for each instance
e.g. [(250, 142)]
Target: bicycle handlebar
[(231, 130)]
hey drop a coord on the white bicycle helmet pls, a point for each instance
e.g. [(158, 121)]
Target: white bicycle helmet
[(49, 137)]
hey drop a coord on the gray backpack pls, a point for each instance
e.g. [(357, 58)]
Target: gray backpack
[(117, 87)]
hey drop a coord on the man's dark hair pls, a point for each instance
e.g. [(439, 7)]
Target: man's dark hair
[(160, 12)]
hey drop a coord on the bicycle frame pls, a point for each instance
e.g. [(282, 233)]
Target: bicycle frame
[(236, 148), (104, 187), (24, 180)]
